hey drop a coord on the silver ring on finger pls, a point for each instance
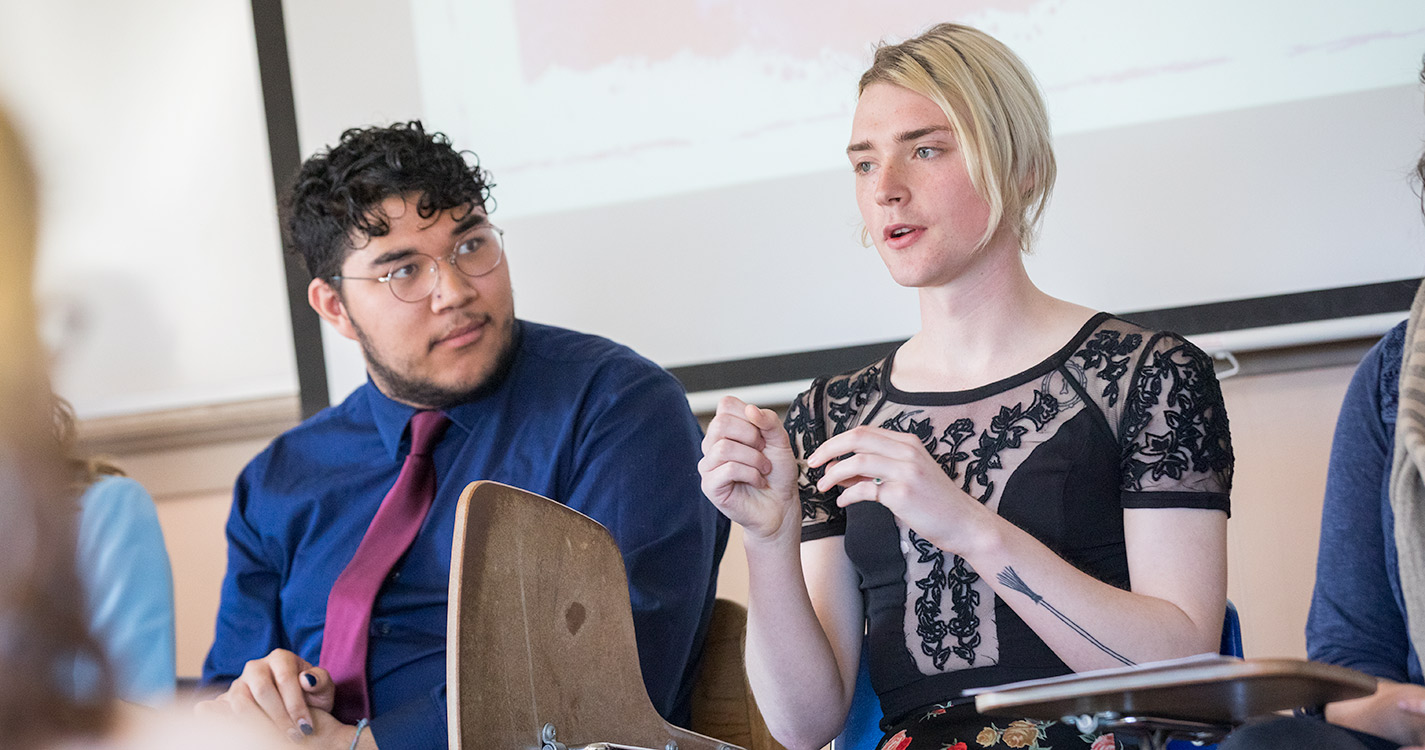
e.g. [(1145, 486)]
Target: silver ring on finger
[(878, 482)]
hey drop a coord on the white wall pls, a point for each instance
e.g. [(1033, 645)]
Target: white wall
[(160, 267)]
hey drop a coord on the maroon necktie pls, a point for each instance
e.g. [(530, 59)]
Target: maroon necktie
[(352, 596)]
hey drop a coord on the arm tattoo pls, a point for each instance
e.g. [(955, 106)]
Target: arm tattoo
[(1012, 580)]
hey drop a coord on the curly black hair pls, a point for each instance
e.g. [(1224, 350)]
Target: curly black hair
[(337, 194)]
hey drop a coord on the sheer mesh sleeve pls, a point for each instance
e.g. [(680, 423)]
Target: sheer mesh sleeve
[(821, 516), (1177, 450)]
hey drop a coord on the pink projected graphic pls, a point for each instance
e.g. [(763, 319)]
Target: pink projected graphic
[(1355, 40), (581, 35), (651, 97)]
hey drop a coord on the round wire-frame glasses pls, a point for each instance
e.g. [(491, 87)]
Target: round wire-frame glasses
[(414, 277)]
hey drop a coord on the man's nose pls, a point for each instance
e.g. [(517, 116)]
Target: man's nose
[(452, 287)]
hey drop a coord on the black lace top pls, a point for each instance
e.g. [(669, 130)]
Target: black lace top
[(1120, 417)]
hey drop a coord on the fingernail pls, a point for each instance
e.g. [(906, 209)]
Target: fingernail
[(305, 726), (310, 679)]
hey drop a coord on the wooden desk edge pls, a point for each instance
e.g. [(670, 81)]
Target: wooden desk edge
[(1353, 683)]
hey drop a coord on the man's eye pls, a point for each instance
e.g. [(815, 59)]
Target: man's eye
[(470, 246), (404, 272), (925, 152), (862, 167)]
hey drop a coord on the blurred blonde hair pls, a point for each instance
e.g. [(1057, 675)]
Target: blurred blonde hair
[(17, 242), (995, 108), (54, 684)]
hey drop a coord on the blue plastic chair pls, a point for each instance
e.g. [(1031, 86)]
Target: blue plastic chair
[(863, 723), (1231, 646), (1231, 633)]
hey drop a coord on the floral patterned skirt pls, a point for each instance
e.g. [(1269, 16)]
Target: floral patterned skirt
[(939, 731)]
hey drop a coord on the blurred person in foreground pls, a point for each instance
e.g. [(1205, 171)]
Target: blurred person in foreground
[(56, 688)]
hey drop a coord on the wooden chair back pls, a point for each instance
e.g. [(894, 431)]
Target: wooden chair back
[(540, 644), (723, 705)]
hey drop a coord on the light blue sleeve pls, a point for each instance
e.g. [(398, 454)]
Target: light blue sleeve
[(128, 584)]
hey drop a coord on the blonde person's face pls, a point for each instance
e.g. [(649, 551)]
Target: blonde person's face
[(912, 187)]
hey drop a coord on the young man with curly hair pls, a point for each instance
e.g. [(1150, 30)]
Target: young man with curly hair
[(393, 225)]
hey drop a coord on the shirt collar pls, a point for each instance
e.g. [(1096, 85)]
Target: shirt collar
[(392, 416)]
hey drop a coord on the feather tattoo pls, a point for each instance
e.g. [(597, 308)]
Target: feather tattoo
[(1012, 580)]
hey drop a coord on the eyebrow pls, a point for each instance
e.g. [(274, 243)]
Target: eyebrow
[(909, 135), (461, 227), (475, 219), (391, 256)]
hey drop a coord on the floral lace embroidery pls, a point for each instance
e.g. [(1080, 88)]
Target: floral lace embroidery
[(805, 426), (1110, 351), (1006, 431), (846, 397), (964, 627), (1196, 435)]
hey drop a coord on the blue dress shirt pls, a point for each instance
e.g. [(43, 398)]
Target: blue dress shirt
[(577, 418)]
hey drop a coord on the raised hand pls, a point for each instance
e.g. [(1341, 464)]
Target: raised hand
[(749, 471), (911, 484)]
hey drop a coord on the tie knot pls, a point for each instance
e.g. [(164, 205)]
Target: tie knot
[(426, 429)]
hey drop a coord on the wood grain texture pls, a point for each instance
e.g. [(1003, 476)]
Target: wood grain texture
[(541, 631), (723, 705)]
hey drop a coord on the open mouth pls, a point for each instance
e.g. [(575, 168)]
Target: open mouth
[(900, 233)]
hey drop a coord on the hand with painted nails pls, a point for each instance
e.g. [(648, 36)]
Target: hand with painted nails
[(749, 471), (283, 689), (912, 485)]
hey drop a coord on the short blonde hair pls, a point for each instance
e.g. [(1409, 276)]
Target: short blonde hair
[(995, 107)]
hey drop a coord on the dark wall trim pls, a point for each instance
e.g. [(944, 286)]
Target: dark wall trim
[(277, 100), (1282, 309), (1233, 315)]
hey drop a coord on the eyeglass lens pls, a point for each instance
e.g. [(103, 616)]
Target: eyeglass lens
[(413, 280)]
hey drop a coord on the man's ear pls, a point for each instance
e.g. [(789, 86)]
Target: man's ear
[(326, 300)]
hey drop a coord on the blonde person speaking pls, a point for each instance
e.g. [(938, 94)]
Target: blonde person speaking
[(978, 502)]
